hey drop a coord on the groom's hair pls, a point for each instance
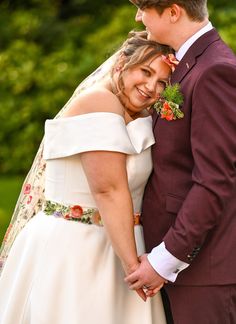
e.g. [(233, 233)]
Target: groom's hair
[(195, 9)]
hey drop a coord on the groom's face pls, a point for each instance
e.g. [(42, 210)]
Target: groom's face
[(157, 25)]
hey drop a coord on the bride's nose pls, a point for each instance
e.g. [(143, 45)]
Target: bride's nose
[(139, 15), (151, 85)]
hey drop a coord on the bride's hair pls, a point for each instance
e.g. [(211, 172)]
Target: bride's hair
[(136, 50)]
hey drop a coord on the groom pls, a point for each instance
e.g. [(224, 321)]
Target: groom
[(189, 207)]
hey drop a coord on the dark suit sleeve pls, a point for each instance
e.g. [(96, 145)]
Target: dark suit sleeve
[(213, 142)]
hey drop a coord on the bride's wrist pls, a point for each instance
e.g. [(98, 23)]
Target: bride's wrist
[(131, 267)]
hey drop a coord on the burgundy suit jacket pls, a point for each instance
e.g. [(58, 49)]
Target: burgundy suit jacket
[(190, 198)]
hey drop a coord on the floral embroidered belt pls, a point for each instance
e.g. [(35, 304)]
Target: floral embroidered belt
[(77, 213)]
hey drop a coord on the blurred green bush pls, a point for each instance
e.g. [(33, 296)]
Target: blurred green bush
[(47, 48)]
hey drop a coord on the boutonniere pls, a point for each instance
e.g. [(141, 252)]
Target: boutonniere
[(167, 105)]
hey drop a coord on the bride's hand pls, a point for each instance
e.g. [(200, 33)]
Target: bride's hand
[(153, 292), (128, 271), (145, 278)]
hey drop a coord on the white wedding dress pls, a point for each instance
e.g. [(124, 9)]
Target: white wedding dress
[(65, 272)]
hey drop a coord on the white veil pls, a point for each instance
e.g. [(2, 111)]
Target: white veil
[(31, 196)]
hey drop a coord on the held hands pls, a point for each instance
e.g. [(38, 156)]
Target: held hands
[(129, 271), (145, 278)]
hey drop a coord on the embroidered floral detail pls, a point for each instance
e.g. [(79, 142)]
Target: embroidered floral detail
[(77, 213), (74, 212), (167, 106), (27, 188), (29, 199), (7, 233), (96, 218), (171, 60)]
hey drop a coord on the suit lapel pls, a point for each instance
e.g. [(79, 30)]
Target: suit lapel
[(190, 58), (154, 119)]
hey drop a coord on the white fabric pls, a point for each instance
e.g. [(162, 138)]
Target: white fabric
[(184, 48), (91, 132), (94, 131), (166, 264), (24, 210), (65, 272)]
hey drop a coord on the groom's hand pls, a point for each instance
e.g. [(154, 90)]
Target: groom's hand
[(145, 277)]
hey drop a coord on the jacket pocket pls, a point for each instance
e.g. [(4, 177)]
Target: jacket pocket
[(173, 204)]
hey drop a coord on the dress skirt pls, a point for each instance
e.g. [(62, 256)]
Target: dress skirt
[(65, 272)]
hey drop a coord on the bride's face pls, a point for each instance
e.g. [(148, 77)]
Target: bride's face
[(143, 83)]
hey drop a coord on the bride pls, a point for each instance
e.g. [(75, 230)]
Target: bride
[(65, 265)]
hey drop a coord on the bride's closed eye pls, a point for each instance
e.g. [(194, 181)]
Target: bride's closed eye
[(146, 72)]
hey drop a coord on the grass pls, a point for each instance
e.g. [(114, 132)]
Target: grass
[(9, 191)]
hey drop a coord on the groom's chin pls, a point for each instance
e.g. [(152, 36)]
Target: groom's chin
[(150, 36)]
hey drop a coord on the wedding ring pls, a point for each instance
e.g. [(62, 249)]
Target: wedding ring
[(145, 287)]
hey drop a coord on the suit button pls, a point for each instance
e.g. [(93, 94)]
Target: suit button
[(190, 257)]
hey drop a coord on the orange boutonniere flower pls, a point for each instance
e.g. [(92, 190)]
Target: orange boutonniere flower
[(167, 105), (166, 112)]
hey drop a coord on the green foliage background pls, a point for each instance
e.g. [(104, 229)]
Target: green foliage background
[(46, 48)]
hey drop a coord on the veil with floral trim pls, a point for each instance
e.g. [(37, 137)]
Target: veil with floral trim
[(31, 196)]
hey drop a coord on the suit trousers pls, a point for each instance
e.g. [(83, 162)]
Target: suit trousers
[(202, 304)]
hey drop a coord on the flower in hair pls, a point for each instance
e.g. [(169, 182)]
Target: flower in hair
[(167, 105), (171, 60)]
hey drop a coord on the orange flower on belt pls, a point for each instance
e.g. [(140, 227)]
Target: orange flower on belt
[(96, 218), (137, 219), (76, 211), (66, 216)]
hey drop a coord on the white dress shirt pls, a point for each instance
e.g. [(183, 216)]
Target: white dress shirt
[(166, 264), (189, 42)]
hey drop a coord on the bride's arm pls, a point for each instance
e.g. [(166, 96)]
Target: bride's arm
[(107, 177)]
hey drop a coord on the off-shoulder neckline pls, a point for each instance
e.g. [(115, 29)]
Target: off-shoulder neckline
[(91, 114)]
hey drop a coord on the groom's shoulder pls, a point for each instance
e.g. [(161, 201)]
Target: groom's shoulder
[(216, 54), (220, 51)]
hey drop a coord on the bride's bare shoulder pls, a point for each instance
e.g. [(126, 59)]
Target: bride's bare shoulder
[(94, 99)]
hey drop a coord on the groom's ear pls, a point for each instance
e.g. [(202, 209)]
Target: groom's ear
[(175, 12)]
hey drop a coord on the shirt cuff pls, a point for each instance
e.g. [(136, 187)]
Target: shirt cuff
[(166, 264)]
